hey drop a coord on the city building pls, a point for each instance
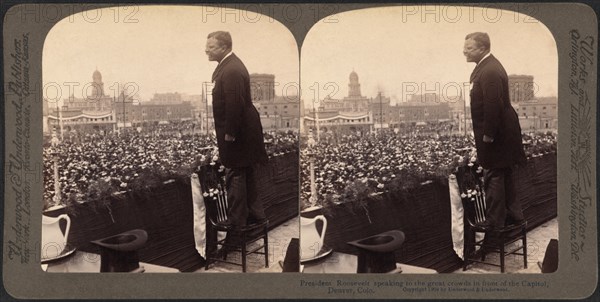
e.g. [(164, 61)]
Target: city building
[(77, 121), (354, 102), (381, 110), (166, 98), (521, 88), (339, 122), (539, 114), (414, 112), (98, 111), (262, 87), (276, 112)]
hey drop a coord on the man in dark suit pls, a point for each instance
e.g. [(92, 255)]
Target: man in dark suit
[(497, 132), (239, 131)]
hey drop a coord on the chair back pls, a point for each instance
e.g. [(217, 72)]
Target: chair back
[(216, 205), (213, 193), (474, 207)]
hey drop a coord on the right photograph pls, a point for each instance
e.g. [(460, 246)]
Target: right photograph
[(428, 142)]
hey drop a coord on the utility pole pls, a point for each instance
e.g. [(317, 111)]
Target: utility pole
[(380, 111), (205, 97), (464, 113), (60, 121)]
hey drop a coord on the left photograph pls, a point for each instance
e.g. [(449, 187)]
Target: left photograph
[(170, 142)]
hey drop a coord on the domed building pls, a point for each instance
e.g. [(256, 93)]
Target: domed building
[(350, 114), (97, 86), (354, 85), (91, 113), (355, 102)]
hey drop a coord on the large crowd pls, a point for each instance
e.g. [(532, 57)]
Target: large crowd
[(121, 158), (380, 158)]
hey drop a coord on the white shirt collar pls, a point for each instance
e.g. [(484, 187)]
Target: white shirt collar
[(484, 57), (225, 57)]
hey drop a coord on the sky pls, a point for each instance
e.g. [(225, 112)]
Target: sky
[(397, 49), (160, 49)]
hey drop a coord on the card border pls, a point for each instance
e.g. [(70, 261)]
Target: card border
[(574, 279)]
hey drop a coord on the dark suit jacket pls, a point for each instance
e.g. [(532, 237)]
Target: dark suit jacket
[(494, 116), (235, 115)]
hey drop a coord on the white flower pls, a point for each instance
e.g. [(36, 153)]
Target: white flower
[(380, 186), (123, 185), (463, 195), (205, 194)]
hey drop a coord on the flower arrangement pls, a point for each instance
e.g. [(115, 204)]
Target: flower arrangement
[(211, 174), (357, 194), (146, 182), (100, 191), (469, 177)]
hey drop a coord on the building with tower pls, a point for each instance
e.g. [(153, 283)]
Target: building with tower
[(354, 102), (349, 114), (95, 98), (358, 112), (98, 111)]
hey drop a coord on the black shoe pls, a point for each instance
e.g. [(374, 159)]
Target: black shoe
[(256, 221), (479, 254), (510, 221), (225, 224), (221, 253), (484, 225)]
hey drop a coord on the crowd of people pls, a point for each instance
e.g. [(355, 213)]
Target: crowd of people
[(120, 158), (380, 158)]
